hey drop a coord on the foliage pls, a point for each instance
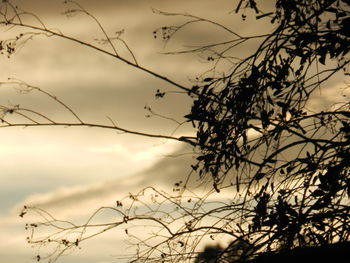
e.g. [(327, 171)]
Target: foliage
[(296, 169), (286, 167)]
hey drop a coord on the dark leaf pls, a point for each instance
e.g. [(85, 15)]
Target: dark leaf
[(318, 192), (264, 15), (200, 158), (320, 226), (259, 176), (208, 79), (281, 104)]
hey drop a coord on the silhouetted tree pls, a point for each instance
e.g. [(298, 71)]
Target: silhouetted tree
[(210, 254), (254, 127), (237, 251), (319, 254), (286, 167)]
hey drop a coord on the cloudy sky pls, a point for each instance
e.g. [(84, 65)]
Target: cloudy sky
[(60, 168)]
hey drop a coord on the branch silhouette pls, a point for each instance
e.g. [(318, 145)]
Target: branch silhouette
[(275, 174)]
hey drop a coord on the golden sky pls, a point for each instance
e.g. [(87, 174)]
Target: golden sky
[(61, 168)]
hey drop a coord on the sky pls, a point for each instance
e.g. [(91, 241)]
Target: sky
[(62, 168)]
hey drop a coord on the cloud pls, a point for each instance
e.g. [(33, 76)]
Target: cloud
[(329, 97), (77, 203), (72, 172), (65, 200)]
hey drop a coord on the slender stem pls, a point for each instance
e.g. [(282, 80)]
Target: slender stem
[(94, 125), (130, 63)]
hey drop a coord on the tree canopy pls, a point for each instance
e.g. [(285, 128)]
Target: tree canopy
[(254, 126), (284, 162)]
